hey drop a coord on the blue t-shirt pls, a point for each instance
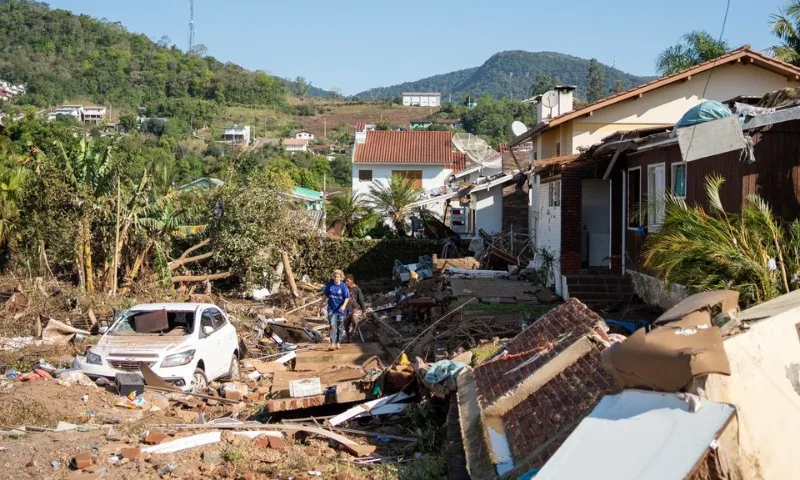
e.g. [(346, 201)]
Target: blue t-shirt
[(336, 295)]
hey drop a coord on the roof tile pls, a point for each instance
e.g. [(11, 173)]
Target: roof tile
[(406, 147)]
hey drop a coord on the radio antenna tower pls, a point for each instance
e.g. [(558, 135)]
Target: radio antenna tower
[(191, 25)]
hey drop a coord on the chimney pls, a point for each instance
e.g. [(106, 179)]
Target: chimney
[(554, 102), (361, 136)]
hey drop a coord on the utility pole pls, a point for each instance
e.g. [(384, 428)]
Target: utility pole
[(191, 25), (325, 128)]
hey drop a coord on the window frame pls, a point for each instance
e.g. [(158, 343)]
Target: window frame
[(554, 194), (371, 175), (628, 196), (651, 205), (211, 312), (673, 168)]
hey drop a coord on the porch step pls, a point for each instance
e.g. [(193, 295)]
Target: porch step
[(594, 288)]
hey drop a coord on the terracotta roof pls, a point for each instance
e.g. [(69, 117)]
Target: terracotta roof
[(297, 142), (459, 162), (543, 417), (739, 55), (406, 147), (361, 126)]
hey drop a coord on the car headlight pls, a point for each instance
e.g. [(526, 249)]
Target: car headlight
[(178, 359), (93, 358)]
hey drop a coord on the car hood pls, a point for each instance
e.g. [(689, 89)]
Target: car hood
[(139, 344)]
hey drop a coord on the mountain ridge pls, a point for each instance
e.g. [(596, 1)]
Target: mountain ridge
[(509, 74)]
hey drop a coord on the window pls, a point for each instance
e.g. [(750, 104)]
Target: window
[(634, 199), (535, 155), (212, 318), (414, 175), (554, 194), (679, 179), (365, 175), (656, 190), (558, 149)]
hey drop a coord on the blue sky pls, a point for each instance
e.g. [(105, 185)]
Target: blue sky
[(356, 45)]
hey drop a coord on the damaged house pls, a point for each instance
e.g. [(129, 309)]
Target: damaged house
[(516, 409), (580, 203)]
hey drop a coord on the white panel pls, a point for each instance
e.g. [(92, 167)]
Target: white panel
[(549, 226), (662, 438), (711, 138)]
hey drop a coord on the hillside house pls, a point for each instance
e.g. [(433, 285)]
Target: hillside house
[(94, 114), (304, 135), (237, 135), (422, 99), (572, 206), (74, 111), (453, 123), (4, 95), (295, 145)]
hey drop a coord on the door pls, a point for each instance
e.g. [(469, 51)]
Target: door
[(656, 190), (211, 345), (415, 175), (548, 226)]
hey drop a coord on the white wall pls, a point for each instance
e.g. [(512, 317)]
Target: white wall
[(432, 175), (489, 210), (765, 387), (666, 105)]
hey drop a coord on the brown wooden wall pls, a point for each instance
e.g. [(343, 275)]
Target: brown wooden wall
[(775, 176)]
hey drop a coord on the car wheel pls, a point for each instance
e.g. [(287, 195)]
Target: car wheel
[(199, 381), (233, 370)]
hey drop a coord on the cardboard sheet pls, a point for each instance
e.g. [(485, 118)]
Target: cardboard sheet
[(151, 322), (667, 358), (727, 300)]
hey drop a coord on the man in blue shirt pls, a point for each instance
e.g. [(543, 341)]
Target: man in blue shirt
[(338, 296)]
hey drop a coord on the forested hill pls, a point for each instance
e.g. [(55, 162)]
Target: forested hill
[(63, 56), (509, 74)]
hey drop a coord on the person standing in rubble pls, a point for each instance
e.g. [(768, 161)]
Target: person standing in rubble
[(338, 296), (357, 308)]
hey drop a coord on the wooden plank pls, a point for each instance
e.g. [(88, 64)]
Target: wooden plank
[(353, 354)]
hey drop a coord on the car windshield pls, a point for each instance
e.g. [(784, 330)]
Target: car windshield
[(157, 322)]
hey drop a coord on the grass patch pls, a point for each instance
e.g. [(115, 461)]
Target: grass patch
[(232, 455), (480, 354)]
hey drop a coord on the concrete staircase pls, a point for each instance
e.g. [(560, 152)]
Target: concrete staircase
[(600, 287)]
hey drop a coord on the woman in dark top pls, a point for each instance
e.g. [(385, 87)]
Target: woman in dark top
[(357, 308)]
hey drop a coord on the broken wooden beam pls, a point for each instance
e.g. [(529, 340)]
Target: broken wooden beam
[(287, 267)]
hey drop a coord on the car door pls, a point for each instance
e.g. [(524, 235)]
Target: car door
[(210, 345), (229, 341)]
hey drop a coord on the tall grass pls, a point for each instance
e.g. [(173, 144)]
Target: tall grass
[(752, 252)]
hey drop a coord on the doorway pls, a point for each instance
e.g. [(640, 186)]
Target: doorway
[(596, 223)]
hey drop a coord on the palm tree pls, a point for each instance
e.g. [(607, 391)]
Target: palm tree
[(786, 26), (750, 252), (695, 47), (348, 209), (392, 200)]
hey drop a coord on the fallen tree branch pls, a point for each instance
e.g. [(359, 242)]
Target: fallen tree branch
[(185, 255), (202, 278), (175, 264)]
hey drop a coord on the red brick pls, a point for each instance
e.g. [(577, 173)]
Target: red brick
[(132, 454), (155, 437), (82, 461), (276, 443), (233, 395), (262, 442)]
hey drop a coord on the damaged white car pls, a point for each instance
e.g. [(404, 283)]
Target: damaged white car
[(186, 344)]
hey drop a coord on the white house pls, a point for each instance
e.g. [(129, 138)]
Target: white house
[(422, 99), (304, 135), (74, 111), (94, 114), (295, 145), (237, 135)]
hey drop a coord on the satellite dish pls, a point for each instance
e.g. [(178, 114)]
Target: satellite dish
[(518, 128), (477, 150), (550, 99)]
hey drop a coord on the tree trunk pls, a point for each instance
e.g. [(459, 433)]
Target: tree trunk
[(201, 278), (87, 255), (287, 267), (185, 258), (137, 264)]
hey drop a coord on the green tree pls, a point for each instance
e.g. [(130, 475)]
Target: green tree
[(694, 48), (342, 170), (347, 209), (618, 87), (597, 84), (786, 26), (301, 87), (543, 83), (392, 200)]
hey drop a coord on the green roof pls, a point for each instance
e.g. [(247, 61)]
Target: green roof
[(307, 193)]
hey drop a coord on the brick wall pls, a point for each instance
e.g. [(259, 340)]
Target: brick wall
[(515, 208)]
